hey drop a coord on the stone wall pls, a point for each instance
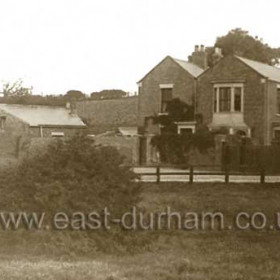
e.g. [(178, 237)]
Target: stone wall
[(127, 146), (104, 115)]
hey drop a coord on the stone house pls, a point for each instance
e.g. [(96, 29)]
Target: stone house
[(241, 96), (171, 78)]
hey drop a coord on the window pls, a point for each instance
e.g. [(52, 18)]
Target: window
[(228, 98), (225, 99), (278, 100), (166, 97), (237, 99)]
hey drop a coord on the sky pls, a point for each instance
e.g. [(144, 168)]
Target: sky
[(90, 45)]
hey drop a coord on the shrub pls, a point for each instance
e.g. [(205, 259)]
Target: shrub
[(72, 176)]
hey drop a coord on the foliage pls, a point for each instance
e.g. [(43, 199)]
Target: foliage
[(174, 147), (74, 94), (108, 94), (16, 89), (47, 100), (240, 42), (73, 176)]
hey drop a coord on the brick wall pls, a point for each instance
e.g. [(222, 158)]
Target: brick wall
[(231, 70), (103, 115), (167, 72)]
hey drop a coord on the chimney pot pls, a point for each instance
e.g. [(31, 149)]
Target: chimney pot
[(218, 51), (196, 48), (202, 48)]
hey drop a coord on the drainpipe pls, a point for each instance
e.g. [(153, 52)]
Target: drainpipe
[(195, 97), (41, 131), (266, 103)]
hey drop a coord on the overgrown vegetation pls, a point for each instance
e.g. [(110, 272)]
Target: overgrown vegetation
[(73, 176), (174, 147)]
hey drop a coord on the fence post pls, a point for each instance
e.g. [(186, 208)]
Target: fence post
[(158, 174), (226, 174), (191, 174), (262, 175)]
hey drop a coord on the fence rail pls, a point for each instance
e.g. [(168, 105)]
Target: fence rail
[(192, 173)]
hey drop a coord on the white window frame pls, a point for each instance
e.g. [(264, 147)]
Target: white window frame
[(166, 86), (57, 134), (232, 97)]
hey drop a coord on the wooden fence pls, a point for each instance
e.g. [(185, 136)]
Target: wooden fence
[(192, 172)]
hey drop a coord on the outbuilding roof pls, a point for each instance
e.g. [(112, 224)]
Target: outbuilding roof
[(37, 115)]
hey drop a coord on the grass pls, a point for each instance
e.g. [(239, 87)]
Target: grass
[(178, 254)]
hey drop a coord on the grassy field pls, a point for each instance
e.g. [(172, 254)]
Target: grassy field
[(178, 254)]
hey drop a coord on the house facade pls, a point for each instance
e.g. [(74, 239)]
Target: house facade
[(171, 78), (241, 96)]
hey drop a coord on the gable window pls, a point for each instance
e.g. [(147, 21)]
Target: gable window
[(278, 99), (228, 98), (166, 97)]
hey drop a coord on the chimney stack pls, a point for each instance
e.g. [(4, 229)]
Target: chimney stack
[(217, 55), (199, 56)]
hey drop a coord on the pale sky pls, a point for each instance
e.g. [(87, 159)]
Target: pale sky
[(90, 45)]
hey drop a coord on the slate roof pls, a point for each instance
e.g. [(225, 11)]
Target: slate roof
[(193, 69), (36, 115), (267, 71)]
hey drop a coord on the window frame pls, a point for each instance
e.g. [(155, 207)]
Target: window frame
[(164, 87), (216, 97)]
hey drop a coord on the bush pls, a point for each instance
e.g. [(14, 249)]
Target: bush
[(72, 176)]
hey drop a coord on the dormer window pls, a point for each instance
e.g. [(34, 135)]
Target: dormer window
[(228, 98)]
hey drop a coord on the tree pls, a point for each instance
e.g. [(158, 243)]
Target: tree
[(240, 42), (74, 94), (108, 94), (16, 89)]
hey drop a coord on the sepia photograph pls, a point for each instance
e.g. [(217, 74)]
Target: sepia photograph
[(139, 140)]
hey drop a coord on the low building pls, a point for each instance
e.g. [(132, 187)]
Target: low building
[(39, 121)]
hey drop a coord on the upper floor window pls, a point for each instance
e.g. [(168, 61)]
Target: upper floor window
[(166, 97), (278, 99), (228, 98)]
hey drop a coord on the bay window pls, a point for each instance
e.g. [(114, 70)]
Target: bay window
[(228, 98)]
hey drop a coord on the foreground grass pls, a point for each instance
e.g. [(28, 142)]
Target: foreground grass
[(178, 255)]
